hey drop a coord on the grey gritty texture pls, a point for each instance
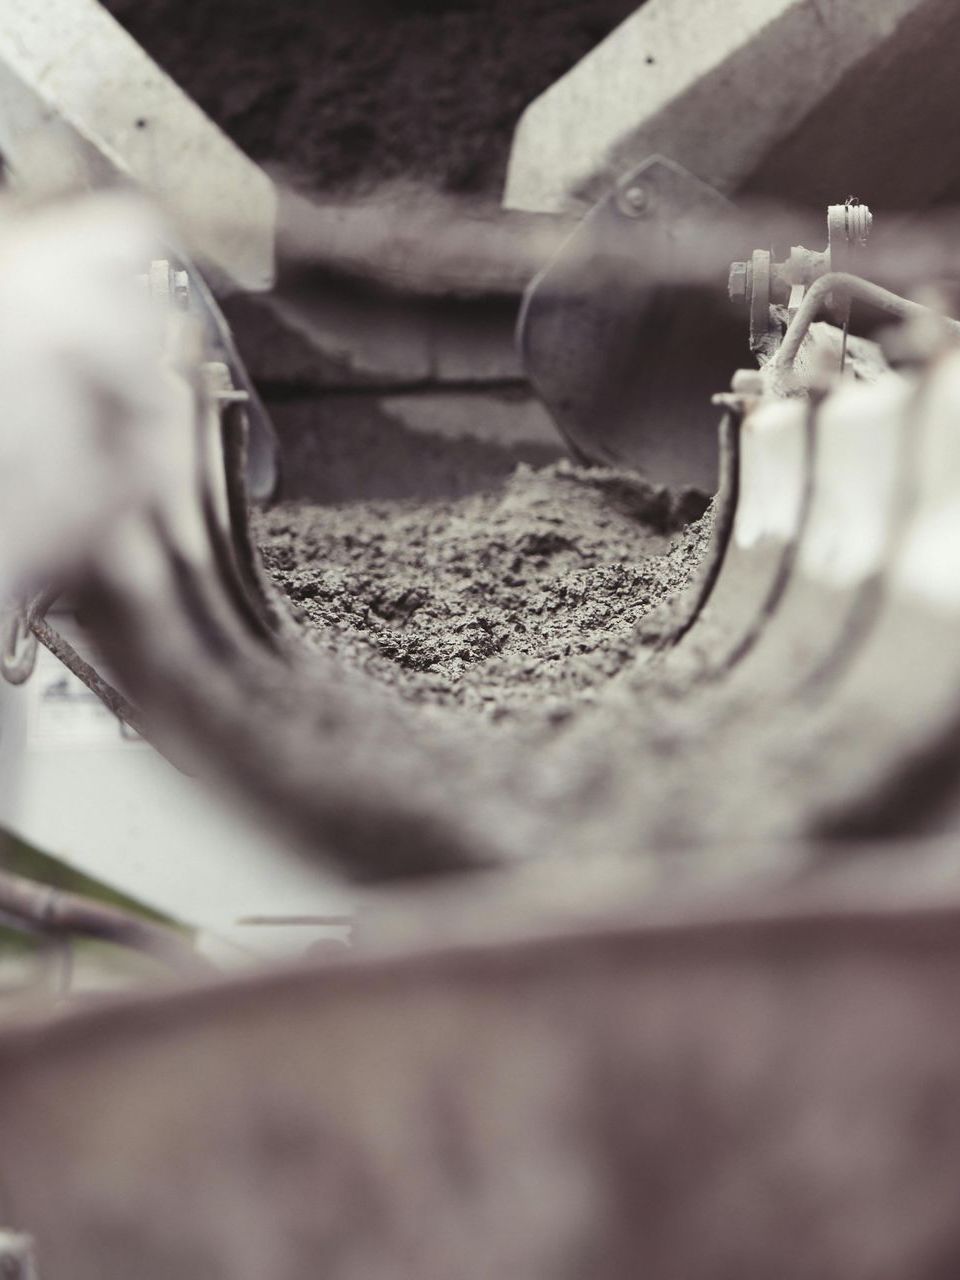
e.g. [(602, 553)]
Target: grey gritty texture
[(523, 596), (516, 623)]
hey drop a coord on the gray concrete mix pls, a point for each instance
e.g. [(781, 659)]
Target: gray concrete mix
[(525, 594)]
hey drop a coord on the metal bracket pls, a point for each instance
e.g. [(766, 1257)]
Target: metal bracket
[(762, 283), (665, 191), (627, 370)]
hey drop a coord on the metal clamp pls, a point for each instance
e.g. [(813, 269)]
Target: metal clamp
[(762, 283), (18, 644)]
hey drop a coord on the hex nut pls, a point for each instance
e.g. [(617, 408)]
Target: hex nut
[(737, 282)]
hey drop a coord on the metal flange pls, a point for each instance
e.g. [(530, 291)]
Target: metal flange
[(625, 369)]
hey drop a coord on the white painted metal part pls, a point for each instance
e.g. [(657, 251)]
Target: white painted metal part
[(79, 787), (927, 570), (857, 479), (772, 474), (653, 86), (74, 84)]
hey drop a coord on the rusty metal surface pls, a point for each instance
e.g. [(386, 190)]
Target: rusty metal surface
[(752, 1088)]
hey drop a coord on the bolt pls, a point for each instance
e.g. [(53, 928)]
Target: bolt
[(737, 283), (634, 200), (181, 289)]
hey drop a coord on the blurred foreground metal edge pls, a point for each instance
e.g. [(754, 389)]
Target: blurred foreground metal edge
[(754, 1086)]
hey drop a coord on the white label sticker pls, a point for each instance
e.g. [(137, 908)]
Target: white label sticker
[(64, 713)]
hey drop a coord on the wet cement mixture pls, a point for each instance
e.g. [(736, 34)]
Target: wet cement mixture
[(499, 635), (522, 597), (505, 638), (502, 618)]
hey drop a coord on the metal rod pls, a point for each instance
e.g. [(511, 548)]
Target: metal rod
[(856, 288), (61, 649), (55, 912)]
